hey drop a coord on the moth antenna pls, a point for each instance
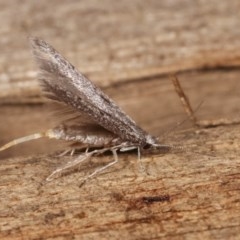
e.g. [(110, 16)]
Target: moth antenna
[(169, 147), (49, 133), (22, 140), (184, 148), (171, 130)]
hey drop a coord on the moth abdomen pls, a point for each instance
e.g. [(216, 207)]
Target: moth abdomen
[(77, 134)]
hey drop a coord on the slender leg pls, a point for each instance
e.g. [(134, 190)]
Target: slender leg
[(126, 149), (100, 170), (130, 148), (72, 152), (141, 167), (64, 153), (70, 164), (139, 153)]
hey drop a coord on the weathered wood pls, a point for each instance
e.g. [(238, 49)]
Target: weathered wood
[(117, 43), (203, 194), (127, 48)]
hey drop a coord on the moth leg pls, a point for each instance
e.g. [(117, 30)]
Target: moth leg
[(140, 164), (139, 153), (72, 151), (130, 148), (72, 163), (64, 153), (126, 149), (100, 170)]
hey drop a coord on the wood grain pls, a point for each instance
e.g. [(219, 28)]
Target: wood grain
[(128, 48)]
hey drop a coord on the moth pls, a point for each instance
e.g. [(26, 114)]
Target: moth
[(93, 120)]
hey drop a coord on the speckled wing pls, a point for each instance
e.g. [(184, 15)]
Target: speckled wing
[(63, 83)]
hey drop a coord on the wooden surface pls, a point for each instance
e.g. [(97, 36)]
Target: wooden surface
[(128, 48)]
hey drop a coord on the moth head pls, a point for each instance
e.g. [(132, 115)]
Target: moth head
[(150, 142)]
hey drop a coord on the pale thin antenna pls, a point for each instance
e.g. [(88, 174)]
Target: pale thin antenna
[(51, 133), (22, 140)]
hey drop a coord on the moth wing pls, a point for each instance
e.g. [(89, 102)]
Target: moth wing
[(66, 115), (63, 83)]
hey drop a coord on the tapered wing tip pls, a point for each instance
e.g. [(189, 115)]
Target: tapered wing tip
[(37, 43), (34, 41)]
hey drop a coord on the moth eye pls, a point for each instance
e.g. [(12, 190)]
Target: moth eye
[(146, 146)]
